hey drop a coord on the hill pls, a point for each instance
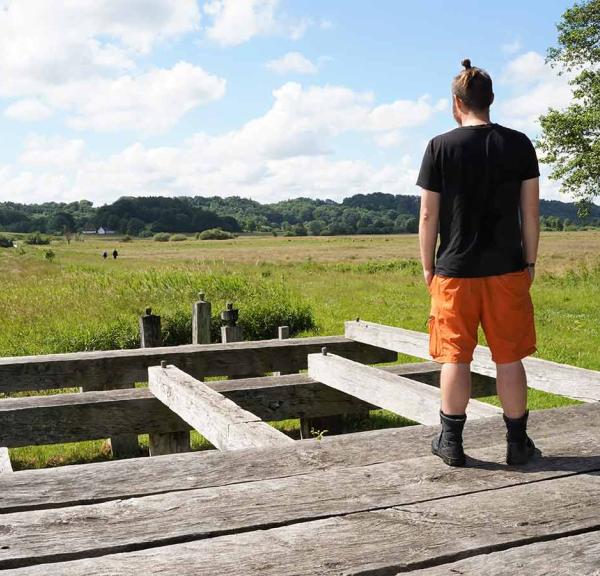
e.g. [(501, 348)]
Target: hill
[(374, 213)]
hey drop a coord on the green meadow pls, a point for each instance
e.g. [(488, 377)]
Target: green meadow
[(79, 301)]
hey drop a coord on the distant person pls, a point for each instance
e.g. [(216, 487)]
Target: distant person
[(105, 254), (480, 188), (115, 254)]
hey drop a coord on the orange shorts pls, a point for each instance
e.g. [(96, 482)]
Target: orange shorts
[(501, 303)]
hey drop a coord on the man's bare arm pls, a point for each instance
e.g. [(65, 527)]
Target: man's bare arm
[(530, 219), (428, 230)]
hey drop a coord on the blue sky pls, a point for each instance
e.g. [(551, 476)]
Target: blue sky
[(264, 99)]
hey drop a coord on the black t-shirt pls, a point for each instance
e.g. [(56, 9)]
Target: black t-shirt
[(478, 172)]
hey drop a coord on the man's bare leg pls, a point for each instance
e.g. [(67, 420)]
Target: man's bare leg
[(511, 385), (455, 385)]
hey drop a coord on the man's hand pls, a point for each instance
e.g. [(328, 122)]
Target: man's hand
[(428, 275), (531, 275)]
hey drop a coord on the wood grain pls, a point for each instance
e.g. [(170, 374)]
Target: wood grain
[(377, 542), (105, 481), (569, 381), (570, 556), (5, 465), (74, 417), (415, 400), (119, 368), (222, 422)]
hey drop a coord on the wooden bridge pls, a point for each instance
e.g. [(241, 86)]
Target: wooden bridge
[(366, 503)]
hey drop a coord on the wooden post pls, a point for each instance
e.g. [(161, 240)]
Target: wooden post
[(283, 333), (231, 332), (5, 465), (201, 315), (158, 443), (150, 335)]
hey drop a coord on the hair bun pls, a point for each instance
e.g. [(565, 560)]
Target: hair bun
[(466, 63)]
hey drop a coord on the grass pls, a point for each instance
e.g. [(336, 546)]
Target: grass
[(79, 301)]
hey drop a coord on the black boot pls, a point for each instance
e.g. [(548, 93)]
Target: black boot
[(448, 445), (519, 447)]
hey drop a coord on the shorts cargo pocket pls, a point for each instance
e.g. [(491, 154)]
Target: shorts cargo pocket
[(435, 347)]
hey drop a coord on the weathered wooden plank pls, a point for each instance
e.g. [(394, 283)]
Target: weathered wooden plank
[(373, 542), (5, 465), (119, 368), (74, 417), (201, 318), (160, 443), (61, 418), (222, 422), (415, 400), (570, 381), (569, 556), (88, 483)]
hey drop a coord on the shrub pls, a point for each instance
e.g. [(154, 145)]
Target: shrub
[(145, 234), (49, 255), (127, 239), (178, 238), (216, 234), (5, 242), (37, 239), (162, 237)]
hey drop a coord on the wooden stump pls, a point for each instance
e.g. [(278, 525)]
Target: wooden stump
[(159, 443)]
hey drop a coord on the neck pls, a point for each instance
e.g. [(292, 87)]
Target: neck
[(476, 119)]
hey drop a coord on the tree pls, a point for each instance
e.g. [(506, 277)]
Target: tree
[(570, 139), (61, 223)]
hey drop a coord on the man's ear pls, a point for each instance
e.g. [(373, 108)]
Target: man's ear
[(492, 100), (459, 104)]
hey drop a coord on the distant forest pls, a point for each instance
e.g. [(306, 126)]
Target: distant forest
[(374, 213)]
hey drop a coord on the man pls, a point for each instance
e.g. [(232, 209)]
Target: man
[(480, 189)]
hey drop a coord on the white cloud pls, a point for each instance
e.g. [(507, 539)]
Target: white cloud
[(535, 88), (511, 47), (284, 152), (293, 62), (52, 151), (81, 57), (28, 110), (526, 69), (48, 43), (150, 102), (234, 22), (389, 139)]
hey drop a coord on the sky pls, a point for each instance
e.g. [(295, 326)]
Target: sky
[(264, 99)]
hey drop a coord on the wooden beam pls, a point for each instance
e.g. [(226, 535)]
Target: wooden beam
[(435, 511), (570, 381), (62, 418), (568, 556), (222, 422), (126, 479), (415, 400), (119, 368), (5, 465)]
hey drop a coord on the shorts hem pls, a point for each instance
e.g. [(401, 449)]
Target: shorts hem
[(453, 359), (514, 357)]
